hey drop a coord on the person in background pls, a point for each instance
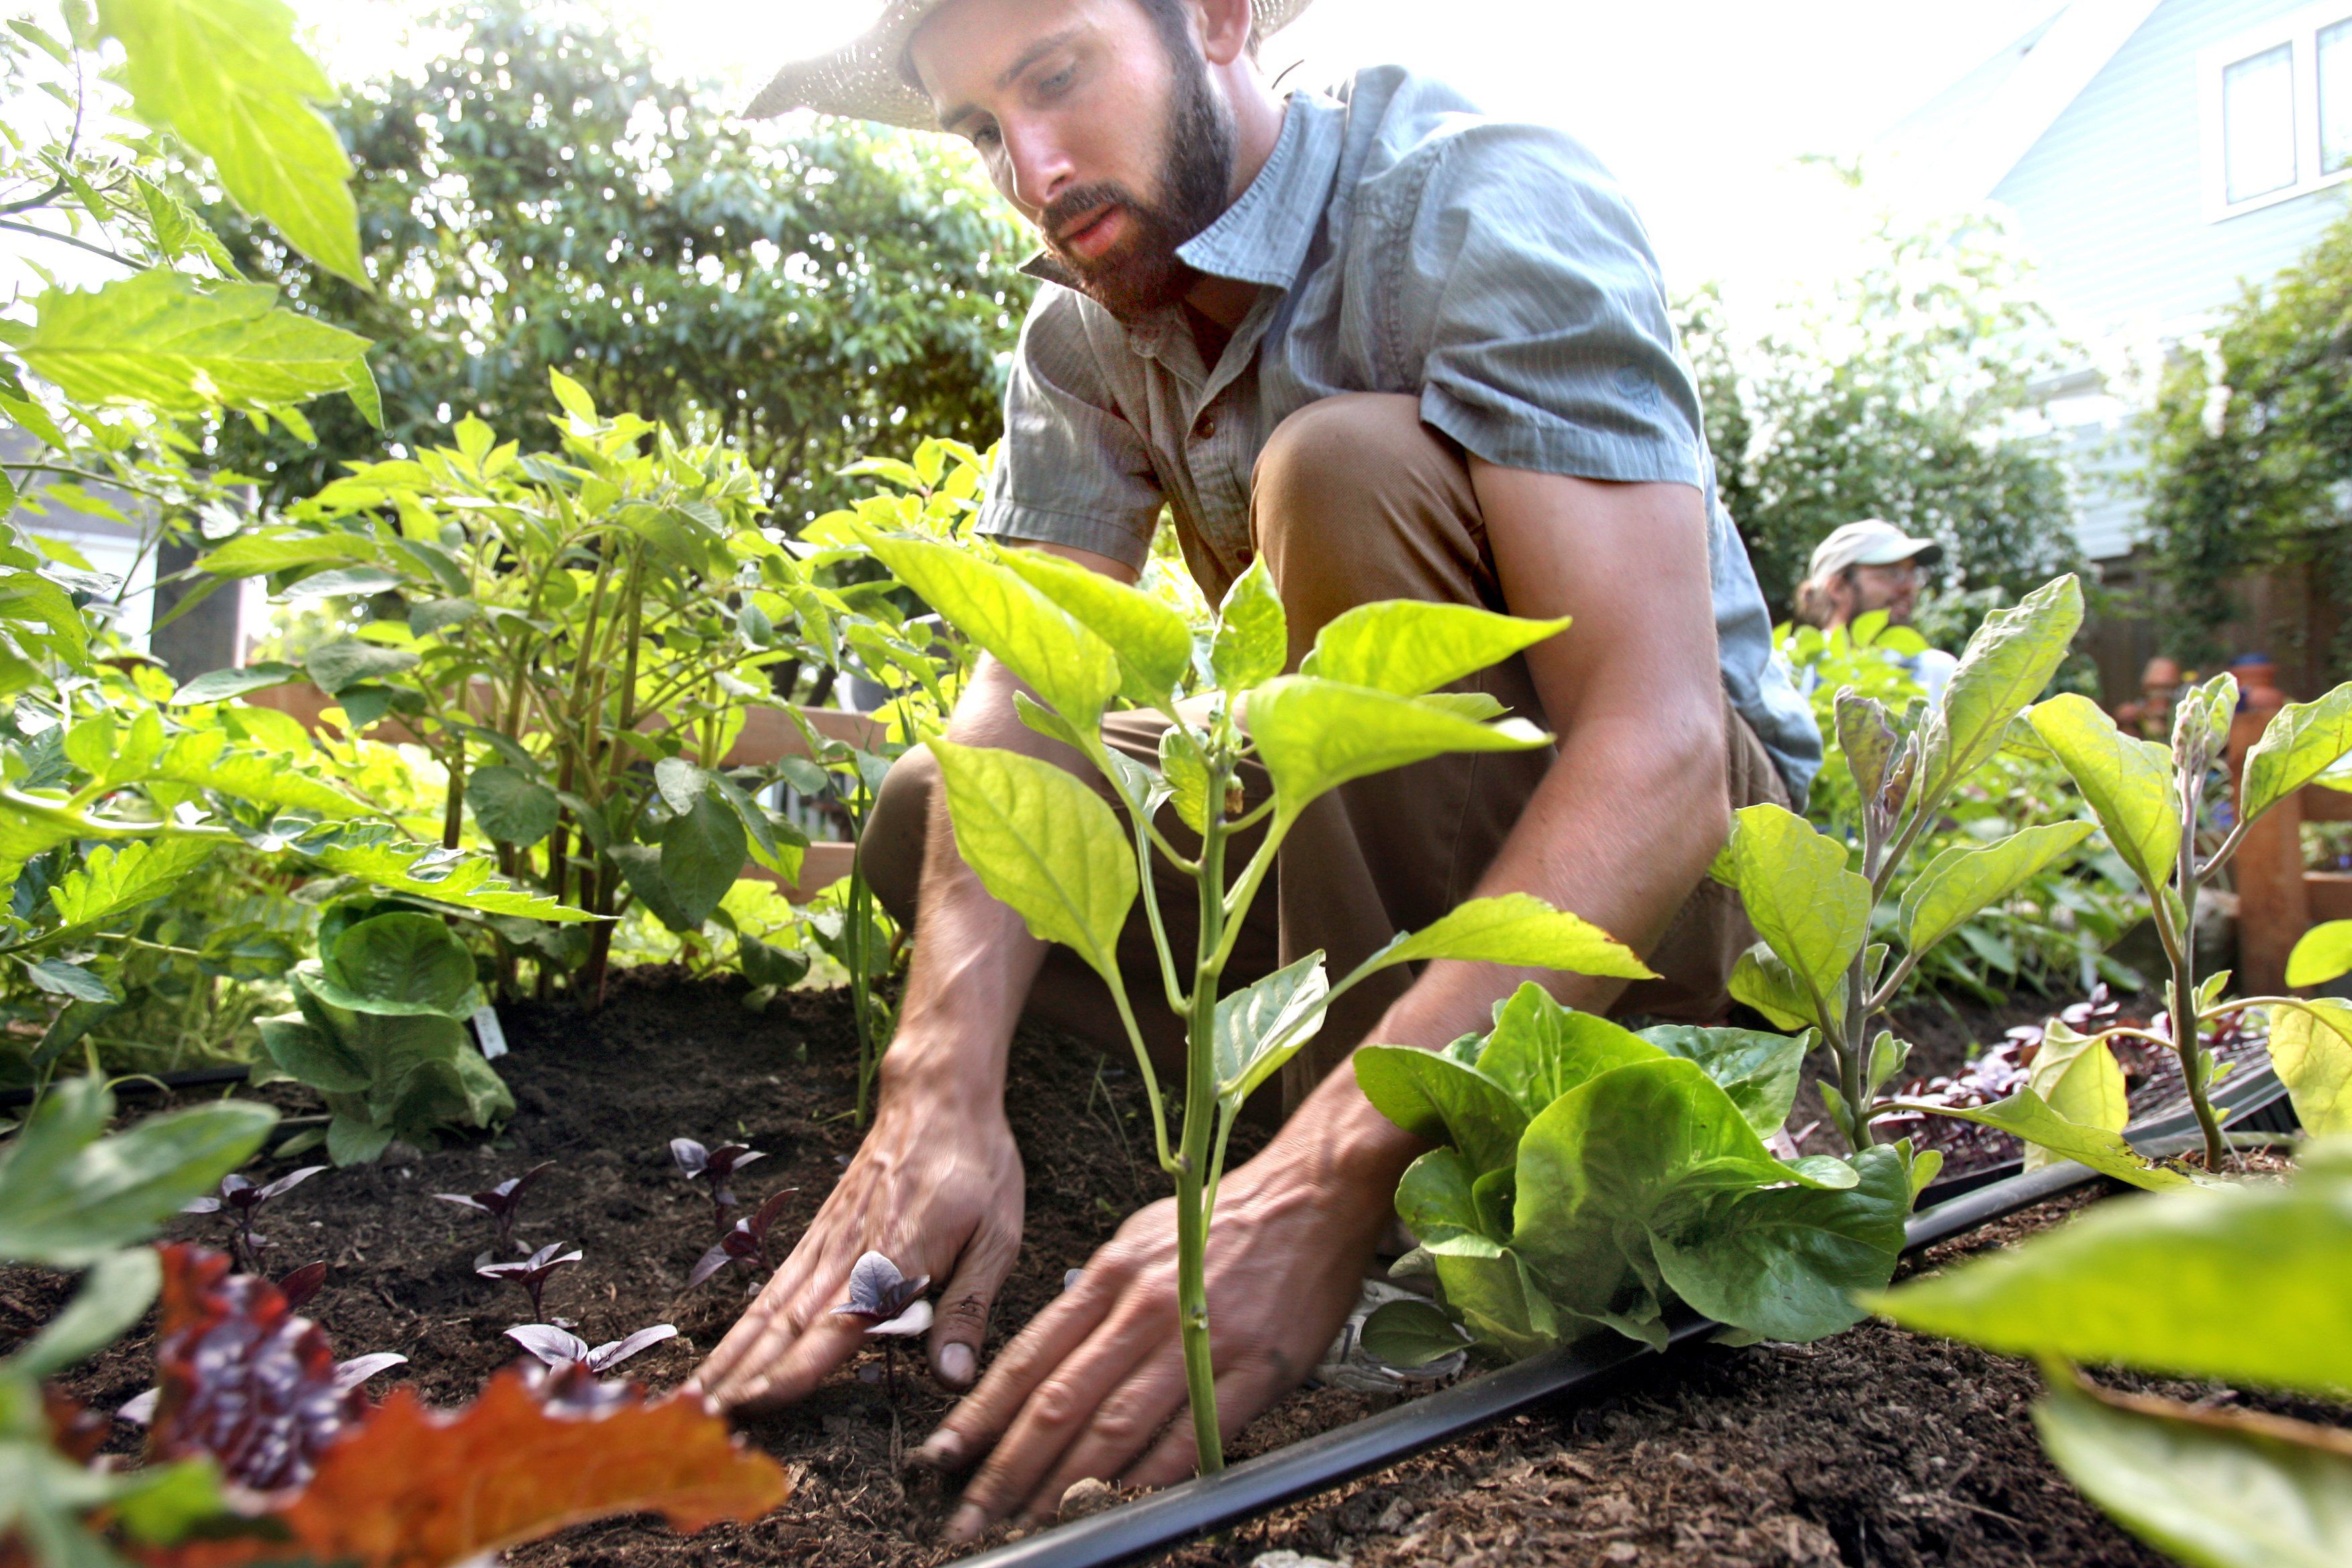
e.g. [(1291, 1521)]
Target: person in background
[(1874, 566), (2151, 717)]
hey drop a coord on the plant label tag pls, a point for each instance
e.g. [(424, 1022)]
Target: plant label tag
[(488, 1031)]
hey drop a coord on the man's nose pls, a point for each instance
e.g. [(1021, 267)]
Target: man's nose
[(1039, 166)]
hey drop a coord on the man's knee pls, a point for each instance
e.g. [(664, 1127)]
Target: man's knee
[(891, 848), (1336, 453)]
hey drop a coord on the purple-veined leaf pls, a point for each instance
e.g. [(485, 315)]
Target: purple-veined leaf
[(548, 1343), (299, 1285), (878, 1290), (606, 1357), (350, 1374)]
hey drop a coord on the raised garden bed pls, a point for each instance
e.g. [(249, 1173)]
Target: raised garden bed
[(1877, 1446)]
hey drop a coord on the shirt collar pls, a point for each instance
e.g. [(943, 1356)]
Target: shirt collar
[(1263, 238)]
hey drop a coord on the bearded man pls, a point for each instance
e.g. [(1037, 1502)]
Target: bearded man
[(1395, 350)]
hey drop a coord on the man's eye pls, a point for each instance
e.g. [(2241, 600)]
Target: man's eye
[(985, 137), (1059, 81)]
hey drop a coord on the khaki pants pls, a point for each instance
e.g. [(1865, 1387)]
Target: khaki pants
[(1353, 499)]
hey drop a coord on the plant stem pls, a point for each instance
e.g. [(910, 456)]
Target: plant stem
[(2188, 1039), (1199, 1115)]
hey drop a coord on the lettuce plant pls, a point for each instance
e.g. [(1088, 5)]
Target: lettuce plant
[(1047, 844), (379, 1033), (2249, 1285)]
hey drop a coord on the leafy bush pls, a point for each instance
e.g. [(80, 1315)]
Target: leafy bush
[(2053, 930), (1048, 845), (381, 1033), (2244, 1287)]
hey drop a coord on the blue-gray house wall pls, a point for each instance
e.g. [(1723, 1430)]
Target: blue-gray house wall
[(2111, 197)]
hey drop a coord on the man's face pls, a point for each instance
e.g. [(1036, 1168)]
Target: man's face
[(1895, 589), (1108, 136)]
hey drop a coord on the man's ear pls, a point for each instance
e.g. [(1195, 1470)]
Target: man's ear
[(1224, 26)]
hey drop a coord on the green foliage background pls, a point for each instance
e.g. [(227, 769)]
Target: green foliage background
[(537, 196), (2250, 461)]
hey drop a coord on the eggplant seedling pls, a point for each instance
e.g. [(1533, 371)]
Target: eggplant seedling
[(891, 1304), (747, 1244), (718, 1166), (532, 1273), (239, 1201), (501, 1203)]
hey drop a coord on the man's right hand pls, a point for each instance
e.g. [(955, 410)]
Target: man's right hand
[(936, 1187)]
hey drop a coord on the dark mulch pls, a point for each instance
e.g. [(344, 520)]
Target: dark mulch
[(1876, 1447)]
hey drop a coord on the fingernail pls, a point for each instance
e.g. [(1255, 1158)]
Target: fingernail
[(957, 1363), (968, 1524), (942, 1450), (691, 1388)]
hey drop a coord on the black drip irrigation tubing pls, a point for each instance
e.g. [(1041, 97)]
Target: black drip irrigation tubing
[(147, 1083), (1572, 1372)]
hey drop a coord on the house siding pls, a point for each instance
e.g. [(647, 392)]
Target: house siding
[(2111, 197)]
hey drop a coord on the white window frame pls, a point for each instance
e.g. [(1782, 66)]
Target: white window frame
[(2300, 29)]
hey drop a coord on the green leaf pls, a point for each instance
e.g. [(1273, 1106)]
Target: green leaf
[(1411, 645), (2311, 1049), (2128, 782), (1153, 643), (203, 758), (509, 807), (2027, 1116), (702, 856), (1315, 735), (221, 685), (640, 865), (779, 852), (1518, 928), (1961, 881), (1072, 669), (1262, 1026), (2077, 1076), (1760, 1072), (1865, 733), (2302, 740), (1187, 773), (680, 782), (2241, 1284), (1409, 1335), (228, 79), (158, 338), (114, 1295), (113, 880), (62, 978), (1759, 979), (1539, 1050), (2321, 955), (1435, 1202), (1435, 1098), (313, 1055), (2007, 663), (398, 965), (433, 615), (764, 965), (1806, 905), (2207, 1493), (465, 881), (346, 661), (1044, 843), (281, 549), (69, 1198), (1786, 1262), (1253, 637), (355, 1140)]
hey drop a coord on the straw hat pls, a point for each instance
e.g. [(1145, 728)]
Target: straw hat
[(861, 79)]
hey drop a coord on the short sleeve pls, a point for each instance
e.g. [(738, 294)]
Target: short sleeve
[(1072, 470), (1526, 288)]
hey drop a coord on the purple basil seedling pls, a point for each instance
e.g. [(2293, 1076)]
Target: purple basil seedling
[(717, 1165), (747, 1244), (501, 1203), (240, 1200), (532, 1273), (891, 1304), (298, 1286), (558, 1348)]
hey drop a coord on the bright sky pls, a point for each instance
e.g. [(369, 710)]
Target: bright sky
[(1701, 106)]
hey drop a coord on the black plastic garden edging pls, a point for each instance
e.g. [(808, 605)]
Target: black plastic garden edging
[(149, 1083), (1199, 1507)]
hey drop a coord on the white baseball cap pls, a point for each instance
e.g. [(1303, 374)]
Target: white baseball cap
[(1872, 542)]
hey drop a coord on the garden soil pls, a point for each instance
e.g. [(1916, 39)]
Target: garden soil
[(1875, 1447)]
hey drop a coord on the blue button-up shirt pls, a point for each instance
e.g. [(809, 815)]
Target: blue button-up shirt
[(1400, 242)]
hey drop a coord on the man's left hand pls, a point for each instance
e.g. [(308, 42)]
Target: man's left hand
[(1088, 1388)]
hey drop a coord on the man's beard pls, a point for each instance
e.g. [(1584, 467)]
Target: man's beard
[(1143, 274)]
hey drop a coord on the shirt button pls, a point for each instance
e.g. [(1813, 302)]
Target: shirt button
[(1204, 427)]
